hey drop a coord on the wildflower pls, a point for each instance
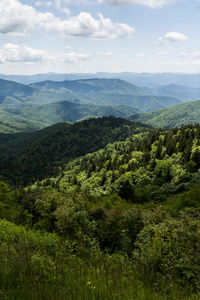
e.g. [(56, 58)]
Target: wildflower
[(89, 282), (94, 287)]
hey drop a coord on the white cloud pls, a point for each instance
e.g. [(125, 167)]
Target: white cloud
[(71, 57), (183, 54), (141, 55), (104, 54), (17, 18), (15, 53), (22, 53), (44, 3), (58, 4), (66, 11), (85, 26), (13, 19), (173, 37), (78, 2), (150, 3), (163, 53), (196, 54), (61, 5)]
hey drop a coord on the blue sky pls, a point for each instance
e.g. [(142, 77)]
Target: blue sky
[(85, 36)]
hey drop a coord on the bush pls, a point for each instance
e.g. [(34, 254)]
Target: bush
[(171, 248)]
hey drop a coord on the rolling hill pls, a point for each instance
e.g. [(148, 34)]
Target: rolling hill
[(183, 93), (12, 123), (15, 94), (108, 92), (49, 114), (184, 113), (94, 91), (45, 103), (87, 86)]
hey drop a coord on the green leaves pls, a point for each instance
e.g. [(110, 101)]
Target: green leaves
[(170, 247)]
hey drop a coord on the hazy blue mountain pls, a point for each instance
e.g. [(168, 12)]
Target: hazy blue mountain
[(143, 103), (150, 80), (95, 85), (108, 92), (184, 113), (11, 88), (183, 93), (153, 80), (45, 103), (13, 93)]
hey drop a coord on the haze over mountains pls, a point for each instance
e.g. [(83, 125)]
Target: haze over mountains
[(33, 106), (37, 105), (150, 80)]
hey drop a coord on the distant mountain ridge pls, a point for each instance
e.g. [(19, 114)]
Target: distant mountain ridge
[(31, 107), (86, 86), (107, 92), (151, 80), (183, 93)]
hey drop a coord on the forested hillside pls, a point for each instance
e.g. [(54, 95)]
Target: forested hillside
[(38, 154), (174, 116), (149, 165), (107, 207), (13, 123), (53, 113)]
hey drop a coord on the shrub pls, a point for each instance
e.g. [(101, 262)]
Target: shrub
[(171, 248)]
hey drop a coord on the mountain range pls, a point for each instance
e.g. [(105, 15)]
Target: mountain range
[(150, 80), (35, 106)]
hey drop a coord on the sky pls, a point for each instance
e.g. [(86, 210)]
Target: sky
[(89, 36)]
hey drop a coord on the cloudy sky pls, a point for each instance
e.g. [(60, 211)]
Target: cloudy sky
[(64, 36)]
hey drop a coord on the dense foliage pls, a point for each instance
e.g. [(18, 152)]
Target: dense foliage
[(149, 165), (37, 155), (119, 223)]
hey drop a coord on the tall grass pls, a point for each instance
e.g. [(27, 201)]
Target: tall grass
[(36, 267)]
